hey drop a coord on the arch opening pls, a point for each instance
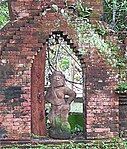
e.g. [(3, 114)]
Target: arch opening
[(61, 56)]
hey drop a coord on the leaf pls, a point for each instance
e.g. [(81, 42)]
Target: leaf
[(55, 7), (65, 63), (44, 13)]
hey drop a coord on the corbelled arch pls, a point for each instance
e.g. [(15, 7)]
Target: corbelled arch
[(38, 124)]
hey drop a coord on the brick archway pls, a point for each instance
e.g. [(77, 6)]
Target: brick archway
[(38, 118)]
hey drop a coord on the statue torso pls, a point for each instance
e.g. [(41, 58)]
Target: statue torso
[(56, 96)]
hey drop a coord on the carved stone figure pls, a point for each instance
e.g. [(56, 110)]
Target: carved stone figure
[(58, 115)]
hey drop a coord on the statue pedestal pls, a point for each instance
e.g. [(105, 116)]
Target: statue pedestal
[(59, 129)]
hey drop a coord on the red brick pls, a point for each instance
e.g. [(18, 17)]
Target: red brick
[(22, 36)]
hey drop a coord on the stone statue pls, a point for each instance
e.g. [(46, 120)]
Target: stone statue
[(58, 115)]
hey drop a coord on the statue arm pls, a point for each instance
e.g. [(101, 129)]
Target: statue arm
[(71, 95), (48, 95)]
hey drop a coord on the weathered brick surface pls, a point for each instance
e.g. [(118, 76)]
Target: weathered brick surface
[(123, 115), (20, 42), (102, 106)]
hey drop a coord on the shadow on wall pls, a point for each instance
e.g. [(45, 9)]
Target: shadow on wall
[(13, 98), (3, 133)]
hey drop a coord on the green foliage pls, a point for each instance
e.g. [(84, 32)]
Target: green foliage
[(89, 35), (61, 57), (115, 12), (112, 143), (122, 134), (36, 136), (76, 122), (65, 63), (55, 7), (102, 32), (82, 10), (4, 13), (122, 88)]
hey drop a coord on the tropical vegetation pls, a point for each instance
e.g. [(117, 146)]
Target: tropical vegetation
[(113, 143), (4, 13)]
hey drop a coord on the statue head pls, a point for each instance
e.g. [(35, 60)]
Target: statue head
[(57, 79)]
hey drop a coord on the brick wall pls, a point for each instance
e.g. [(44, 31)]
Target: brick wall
[(123, 115), (25, 8), (123, 100), (102, 103), (21, 40)]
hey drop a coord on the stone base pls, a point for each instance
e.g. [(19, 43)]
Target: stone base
[(59, 133)]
